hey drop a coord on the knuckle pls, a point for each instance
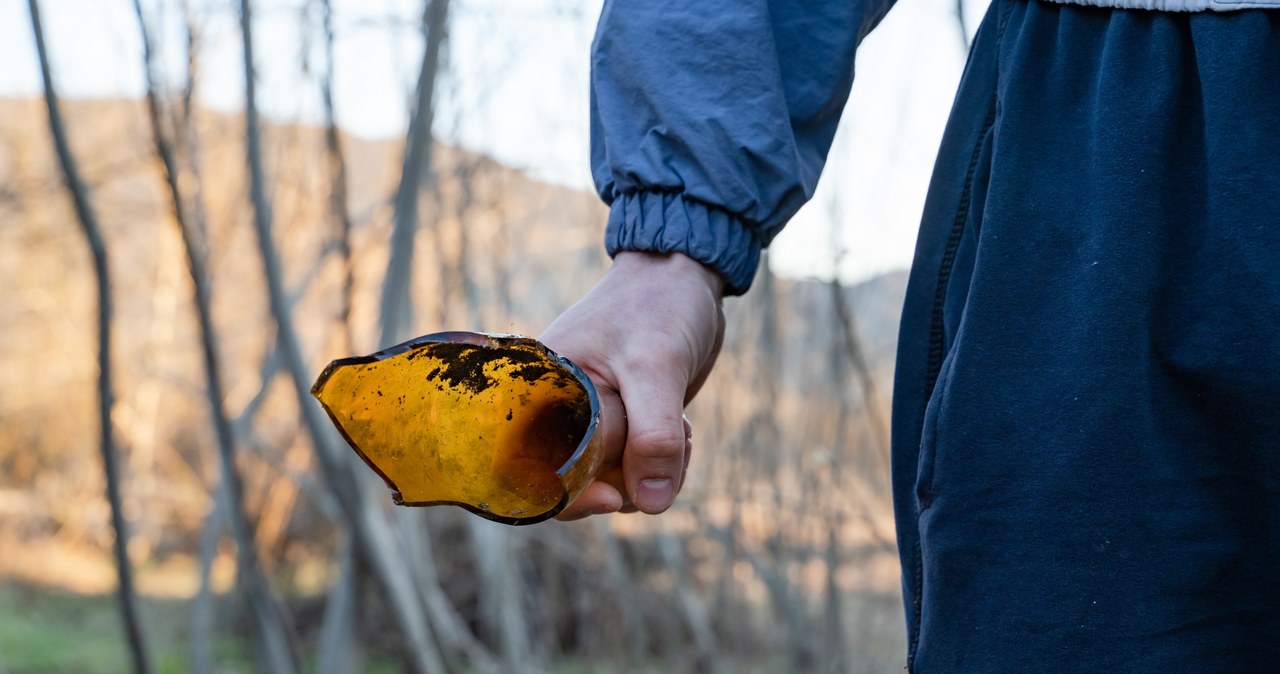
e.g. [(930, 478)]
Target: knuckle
[(659, 357), (657, 445)]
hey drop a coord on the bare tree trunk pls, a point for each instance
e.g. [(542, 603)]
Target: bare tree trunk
[(766, 436), (279, 648), (500, 307), (466, 283), (371, 531), (448, 624), (397, 307), (390, 566), (692, 608), (339, 207), (338, 645), (834, 652), (789, 605), (620, 579), (502, 594), (870, 395), (202, 627), (97, 248), (962, 25), (202, 604), (397, 303), (497, 549), (186, 128)]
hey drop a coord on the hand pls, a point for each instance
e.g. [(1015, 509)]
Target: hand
[(647, 334)]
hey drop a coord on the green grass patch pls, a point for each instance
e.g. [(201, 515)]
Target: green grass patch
[(52, 632)]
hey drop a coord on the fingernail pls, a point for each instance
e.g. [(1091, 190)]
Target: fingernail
[(655, 494)]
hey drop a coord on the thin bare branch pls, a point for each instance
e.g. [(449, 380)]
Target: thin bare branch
[(98, 249), (866, 378), (397, 311), (279, 648), (962, 25), (339, 208), (370, 529), (202, 603), (338, 645)]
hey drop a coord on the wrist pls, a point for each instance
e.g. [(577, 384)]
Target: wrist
[(678, 265)]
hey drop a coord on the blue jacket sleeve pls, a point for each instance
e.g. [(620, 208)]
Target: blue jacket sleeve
[(711, 119)]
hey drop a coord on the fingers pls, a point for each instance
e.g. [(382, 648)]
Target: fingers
[(654, 461), (599, 498), (700, 377), (606, 493), (612, 428), (650, 331)]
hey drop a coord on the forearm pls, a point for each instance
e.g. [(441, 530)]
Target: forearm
[(711, 121)]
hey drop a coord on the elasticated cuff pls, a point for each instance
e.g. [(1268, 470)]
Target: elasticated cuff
[(666, 222)]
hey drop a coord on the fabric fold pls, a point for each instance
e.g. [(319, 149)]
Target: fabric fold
[(668, 222)]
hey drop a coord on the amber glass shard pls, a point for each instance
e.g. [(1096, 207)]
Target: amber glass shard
[(497, 424)]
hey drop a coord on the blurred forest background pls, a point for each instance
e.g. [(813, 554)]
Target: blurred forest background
[(174, 277)]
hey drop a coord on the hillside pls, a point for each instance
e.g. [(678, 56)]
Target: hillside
[(785, 447)]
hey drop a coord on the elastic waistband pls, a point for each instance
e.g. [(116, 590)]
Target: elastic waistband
[(1177, 5)]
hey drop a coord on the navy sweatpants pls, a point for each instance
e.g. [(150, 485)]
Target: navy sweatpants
[(1087, 402)]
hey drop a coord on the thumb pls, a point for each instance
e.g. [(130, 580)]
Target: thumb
[(653, 462)]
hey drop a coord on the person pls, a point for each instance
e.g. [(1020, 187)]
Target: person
[(1086, 412)]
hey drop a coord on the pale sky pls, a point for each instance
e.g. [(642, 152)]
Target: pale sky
[(517, 90)]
